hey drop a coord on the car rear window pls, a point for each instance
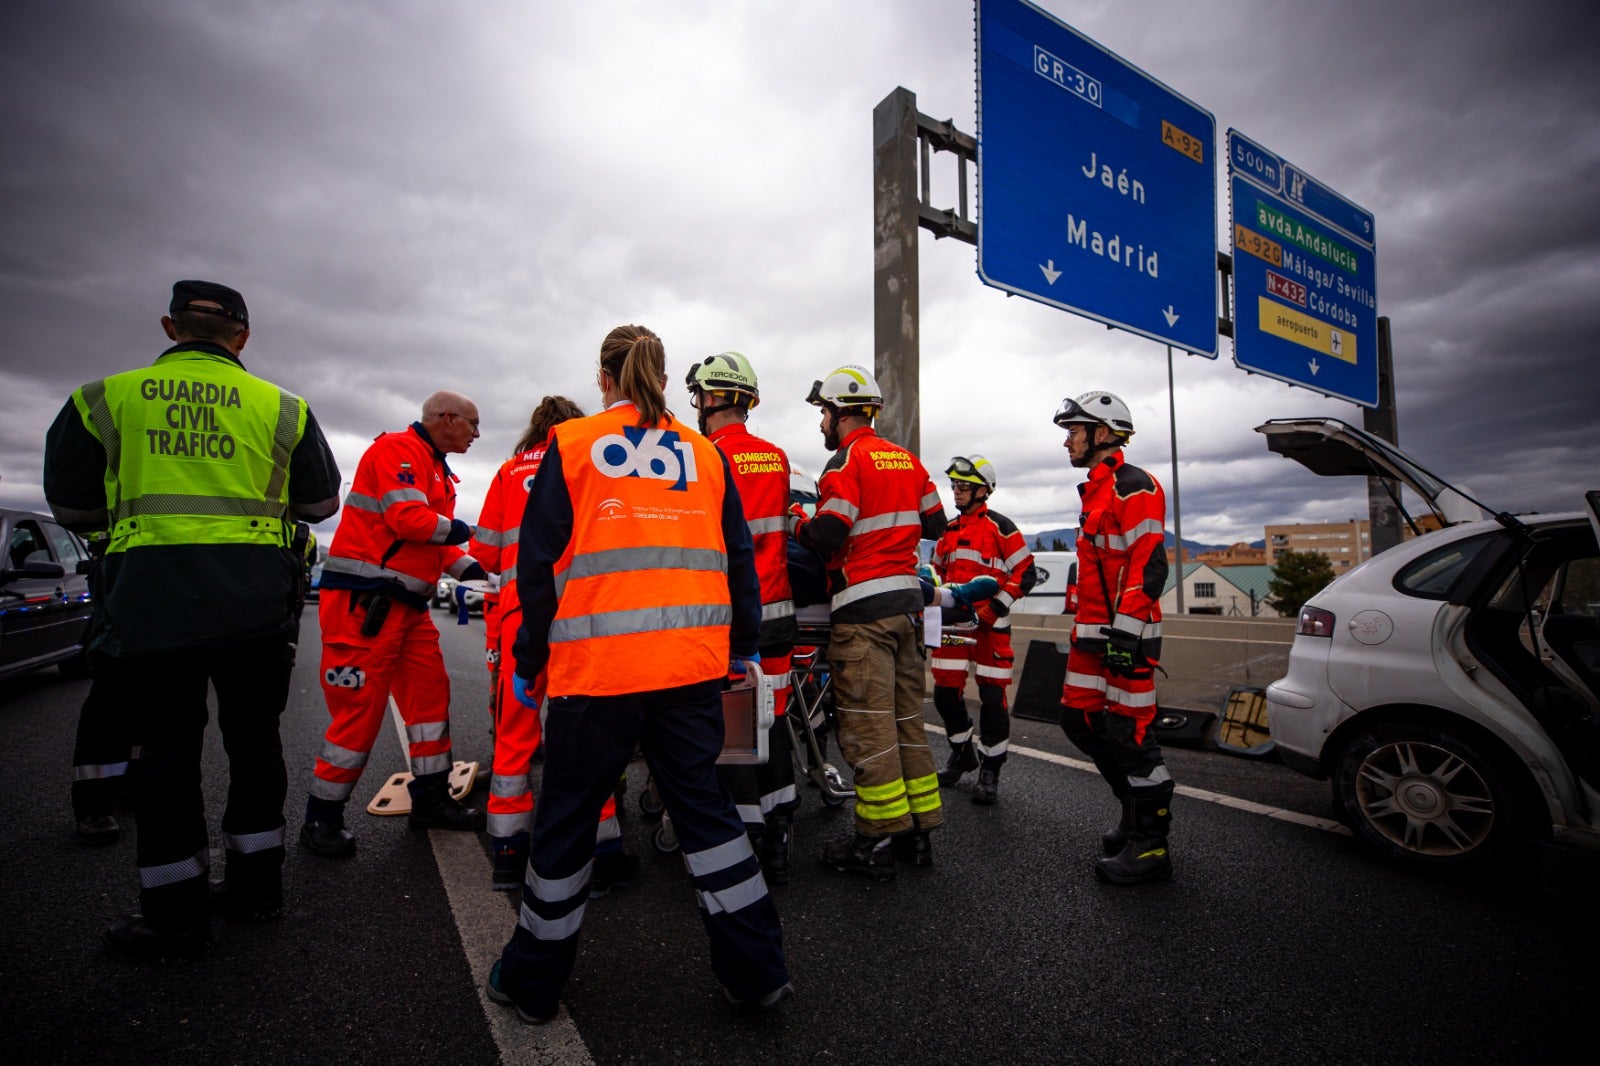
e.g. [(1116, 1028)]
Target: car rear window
[(1432, 576)]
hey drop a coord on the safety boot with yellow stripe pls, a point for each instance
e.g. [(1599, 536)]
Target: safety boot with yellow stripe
[(1145, 857)]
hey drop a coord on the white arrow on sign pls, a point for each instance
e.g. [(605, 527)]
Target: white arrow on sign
[(1050, 271), (1313, 365), (1172, 316)]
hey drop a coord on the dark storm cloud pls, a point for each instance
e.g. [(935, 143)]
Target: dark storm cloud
[(411, 197)]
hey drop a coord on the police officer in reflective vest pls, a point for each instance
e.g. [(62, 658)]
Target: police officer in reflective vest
[(199, 470), (1109, 698), (637, 579)]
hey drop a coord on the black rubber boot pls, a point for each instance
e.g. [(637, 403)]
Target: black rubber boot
[(1145, 857), (859, 853), (131, 936), (988, 790), (914, 848), (97, 830), (510, 856), (1116, 838), (612, 869), (963, 760), (258, 909), (328, 837), (775, 849), (432, 806)]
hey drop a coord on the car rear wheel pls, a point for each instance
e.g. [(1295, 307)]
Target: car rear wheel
[(1424, 797)]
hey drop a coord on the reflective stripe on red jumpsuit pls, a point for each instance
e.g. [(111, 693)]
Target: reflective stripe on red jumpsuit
[(391, 536), (516, 727), (760, 471), (1122, 570), (981, 543)]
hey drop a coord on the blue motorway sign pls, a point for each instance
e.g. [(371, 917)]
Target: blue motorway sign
[(1305, 295), (1097, 185)]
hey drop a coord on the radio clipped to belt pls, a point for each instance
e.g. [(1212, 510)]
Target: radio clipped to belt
[(376, 606)]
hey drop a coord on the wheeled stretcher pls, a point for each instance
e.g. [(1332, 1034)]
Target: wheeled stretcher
[(811, 711)]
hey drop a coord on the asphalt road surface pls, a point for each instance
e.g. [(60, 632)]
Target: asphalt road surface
[(1279, 940)]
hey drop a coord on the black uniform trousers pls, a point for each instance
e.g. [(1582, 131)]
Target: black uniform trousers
[(587, 743), (168, 696), (103, 754)]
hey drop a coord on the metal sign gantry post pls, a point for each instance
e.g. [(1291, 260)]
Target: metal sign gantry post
[(901, 137)]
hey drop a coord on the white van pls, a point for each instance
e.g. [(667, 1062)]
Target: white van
[(1056, 591)]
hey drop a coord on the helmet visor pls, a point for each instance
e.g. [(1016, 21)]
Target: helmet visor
[(1071, 414), (815, 396), (961, 469)]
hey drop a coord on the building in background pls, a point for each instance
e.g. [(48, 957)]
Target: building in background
[(1230, 591), (1344, 543)]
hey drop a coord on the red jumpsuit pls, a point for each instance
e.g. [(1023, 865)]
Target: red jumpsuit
[(390, 542), (516, 728), (980, 543), (1122, 570), (761, 474)]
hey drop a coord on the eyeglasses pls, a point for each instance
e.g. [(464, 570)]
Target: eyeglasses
[(464, 418)]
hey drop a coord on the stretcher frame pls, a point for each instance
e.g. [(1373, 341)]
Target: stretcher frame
[(805, 744)]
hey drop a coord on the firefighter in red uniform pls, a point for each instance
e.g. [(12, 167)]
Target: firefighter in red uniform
[(980, 542), (516, 725), (723, 389), (398, 533), (877, 502), (1109, 700)]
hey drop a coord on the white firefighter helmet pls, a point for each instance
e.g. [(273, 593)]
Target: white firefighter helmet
[(1100, 407), (848, 386)]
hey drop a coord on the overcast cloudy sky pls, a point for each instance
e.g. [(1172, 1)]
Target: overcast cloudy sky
[(424, 195)]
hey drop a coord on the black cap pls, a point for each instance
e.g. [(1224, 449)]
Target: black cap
[(184, 293)]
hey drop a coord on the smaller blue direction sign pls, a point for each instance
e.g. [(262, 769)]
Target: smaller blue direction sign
[(1305, 293), (1097, 184)]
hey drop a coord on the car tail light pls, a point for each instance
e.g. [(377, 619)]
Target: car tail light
[(1314, 622)]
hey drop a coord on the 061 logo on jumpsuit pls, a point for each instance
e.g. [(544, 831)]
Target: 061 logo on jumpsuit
[(344, 677), (658, 454)]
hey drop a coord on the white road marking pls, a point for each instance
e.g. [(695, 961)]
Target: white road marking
[(485, 922), (1325, 824)]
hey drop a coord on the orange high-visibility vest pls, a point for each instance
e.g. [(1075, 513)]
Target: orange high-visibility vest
[(642, 586)]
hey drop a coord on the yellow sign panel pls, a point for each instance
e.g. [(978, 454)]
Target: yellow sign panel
[(1176, 139), (1248, 240), (1321, 337)]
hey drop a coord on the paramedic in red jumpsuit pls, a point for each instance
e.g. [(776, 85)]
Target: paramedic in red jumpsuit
[(397, 534), (516, 726)]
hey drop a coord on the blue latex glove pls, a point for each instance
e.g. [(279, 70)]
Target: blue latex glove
[(462, 614), (741, 664), (459, 533), (968, 594), (522, 688)]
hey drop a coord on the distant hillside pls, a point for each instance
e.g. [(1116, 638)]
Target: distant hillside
[(1068, 535)]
